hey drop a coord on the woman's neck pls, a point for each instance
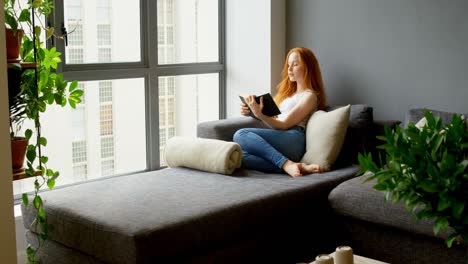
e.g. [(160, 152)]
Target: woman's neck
[(300, 87)]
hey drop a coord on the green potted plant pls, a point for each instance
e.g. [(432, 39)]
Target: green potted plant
[(39, 87), (13, 34), (427, 169), (17, 117)]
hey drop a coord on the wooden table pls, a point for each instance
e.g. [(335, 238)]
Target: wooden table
[(360, 260)]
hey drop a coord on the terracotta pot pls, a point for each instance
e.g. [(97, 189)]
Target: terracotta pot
[(18, 152), (13, 44)]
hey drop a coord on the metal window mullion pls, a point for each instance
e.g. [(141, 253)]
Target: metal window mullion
[(189, 68), (222, 57), (152, 86), (97, 75), (58, 18)]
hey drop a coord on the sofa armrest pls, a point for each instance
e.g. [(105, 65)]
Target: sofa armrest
[(224, 129)]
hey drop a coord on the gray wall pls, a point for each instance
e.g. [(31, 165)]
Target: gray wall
[(392, 54)]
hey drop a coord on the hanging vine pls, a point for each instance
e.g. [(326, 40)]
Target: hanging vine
[(39, 87)]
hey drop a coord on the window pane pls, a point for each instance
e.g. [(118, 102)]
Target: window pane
[(105, 135), (106, 119), (105, 91), (97, 28), (107, 147), (187, 31), (194, 99)]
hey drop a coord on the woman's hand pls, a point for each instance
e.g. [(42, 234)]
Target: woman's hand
[(244, 109), (254, 107)]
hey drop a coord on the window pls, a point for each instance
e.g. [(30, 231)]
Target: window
[(80, 171), (79, 151), (76, 36), (107, 167), (105, 91), (75, 55), (116, 62), (200, 103), (97, 22), (104, 34), (195, 39), (107, 147), (104, 55)]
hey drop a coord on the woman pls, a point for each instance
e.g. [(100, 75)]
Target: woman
[(300, 94)]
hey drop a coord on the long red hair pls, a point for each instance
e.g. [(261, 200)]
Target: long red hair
[(312, 77)]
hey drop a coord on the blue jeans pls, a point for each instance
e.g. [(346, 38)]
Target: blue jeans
[(268, 149)]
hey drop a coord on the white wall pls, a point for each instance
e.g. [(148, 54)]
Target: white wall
[(7, 226), (255, 48)]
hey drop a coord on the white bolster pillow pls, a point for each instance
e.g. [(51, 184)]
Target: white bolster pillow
[(203, 154)]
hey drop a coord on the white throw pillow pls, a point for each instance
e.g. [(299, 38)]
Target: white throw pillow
[(325, 134)]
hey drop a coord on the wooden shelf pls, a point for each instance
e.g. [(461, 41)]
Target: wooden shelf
[(22, 65), (21, 175)]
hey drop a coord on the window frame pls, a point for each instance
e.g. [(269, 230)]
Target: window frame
[(147, 68)]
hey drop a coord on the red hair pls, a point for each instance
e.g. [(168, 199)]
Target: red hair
[(312, 78)]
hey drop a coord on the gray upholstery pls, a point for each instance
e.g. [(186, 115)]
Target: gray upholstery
[(182, 215), (225, 129), (177, 212), (414, 115), (56, 253), (358, 135), (387, 231), (360, 130), (396, 246), (359, 200)]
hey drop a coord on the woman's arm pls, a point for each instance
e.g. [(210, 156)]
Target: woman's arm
[(305, 106)]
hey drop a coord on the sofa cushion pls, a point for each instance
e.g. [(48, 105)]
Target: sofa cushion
[(171, 213), (358, 134), (325, 134), (204, 154), (358, 200)]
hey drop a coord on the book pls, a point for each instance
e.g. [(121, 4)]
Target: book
[(269, 106)]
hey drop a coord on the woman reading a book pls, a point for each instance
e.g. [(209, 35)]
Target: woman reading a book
[(300, 94)]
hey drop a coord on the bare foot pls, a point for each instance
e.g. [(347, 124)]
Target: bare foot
[(310, 168), (292, 168)]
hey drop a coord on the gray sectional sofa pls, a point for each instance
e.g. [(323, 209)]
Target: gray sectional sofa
[(387, 231), (181, 215)]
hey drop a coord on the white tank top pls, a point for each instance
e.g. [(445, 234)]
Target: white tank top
[(289, 103)]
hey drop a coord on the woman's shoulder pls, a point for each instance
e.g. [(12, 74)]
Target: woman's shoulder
[(309, 94)]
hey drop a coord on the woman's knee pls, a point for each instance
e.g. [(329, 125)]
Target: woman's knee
[(240, 134)]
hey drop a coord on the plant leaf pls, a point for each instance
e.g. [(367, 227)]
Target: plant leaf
[(44, 159), (450, 239), (440, 224), (49, 32), (28, 133), (73, 86), (37, 202), (25, 16), (50, 183), (25, 199), (457, 209), (443, 204), (43, 141)]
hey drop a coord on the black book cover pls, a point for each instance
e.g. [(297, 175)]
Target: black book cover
[(269, 106)]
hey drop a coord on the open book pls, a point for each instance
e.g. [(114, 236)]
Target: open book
[(269, 106)]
